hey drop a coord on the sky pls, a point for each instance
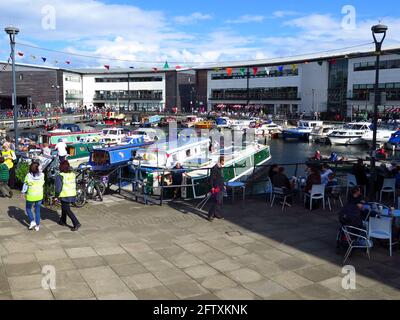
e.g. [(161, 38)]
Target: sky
[(146, 33)]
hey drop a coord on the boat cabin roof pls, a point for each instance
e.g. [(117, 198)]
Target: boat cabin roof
[(177, 145)]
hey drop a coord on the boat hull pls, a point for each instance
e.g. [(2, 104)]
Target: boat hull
[(293, 135), (345, 141)]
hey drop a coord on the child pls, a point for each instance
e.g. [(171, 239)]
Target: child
[(4, 176), (33, 191)]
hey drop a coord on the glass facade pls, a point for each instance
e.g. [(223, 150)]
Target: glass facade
[(363, 91), (337, 87), (279, 93), (133, 79), (129, 95), (368, 66), (260, 74)]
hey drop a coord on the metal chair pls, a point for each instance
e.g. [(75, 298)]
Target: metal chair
[(269, 189), (317, 193), (389, 186), (333, 193), (356, 239), (281, 193), (381, 228), (351, 182)]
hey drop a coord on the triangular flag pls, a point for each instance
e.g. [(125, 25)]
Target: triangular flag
[(44, 59), (107, 66), (56, 61), (131, 67), (21, 54), (68, 62), (333, 61), (166, 66), (178, 67), (280, 68), (306, 62), (294, 67), (267, 70), (33, 57), (243, 71), (216, 69), (229, 71), (255, 70), (320, 63), (155, 69)]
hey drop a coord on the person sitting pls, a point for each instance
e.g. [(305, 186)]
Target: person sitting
[(317, 156), (280, 180), (352, 213), (334, 157), (381, 153), (326, 171), (313, 178), (360, 173), (273, 170), (331, 183)]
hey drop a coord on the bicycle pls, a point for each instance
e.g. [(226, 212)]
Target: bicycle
[(88, 187)]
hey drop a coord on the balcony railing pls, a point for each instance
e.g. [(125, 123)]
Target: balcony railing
[(258, 97), (154, 97), (74, 96), (364, 95)]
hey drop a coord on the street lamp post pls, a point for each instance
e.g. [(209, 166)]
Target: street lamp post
[(379, 34), (12, 32)]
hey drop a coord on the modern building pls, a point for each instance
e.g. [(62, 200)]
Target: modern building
[(127, 89), (340, 84), (335, 84)]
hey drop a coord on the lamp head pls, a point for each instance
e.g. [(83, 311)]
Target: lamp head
[(379, 34), (11, 30), (379, 28)]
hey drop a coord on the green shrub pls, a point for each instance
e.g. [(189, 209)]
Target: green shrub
[(21, 171)]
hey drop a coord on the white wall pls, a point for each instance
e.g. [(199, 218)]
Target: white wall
[(314, 77)]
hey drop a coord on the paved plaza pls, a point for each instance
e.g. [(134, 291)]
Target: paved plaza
[(126, 250)]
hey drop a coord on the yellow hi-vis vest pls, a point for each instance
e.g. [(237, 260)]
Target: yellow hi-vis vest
[(35, 189), (8, 155), (69, 185)]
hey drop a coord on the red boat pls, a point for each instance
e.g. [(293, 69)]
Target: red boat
[(114, 120)]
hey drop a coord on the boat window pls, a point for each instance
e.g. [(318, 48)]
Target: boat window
[(100, 158), (188, 154), (71, 151), (82, 149)]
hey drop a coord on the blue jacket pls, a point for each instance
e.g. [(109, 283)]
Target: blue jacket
[(59, 186)]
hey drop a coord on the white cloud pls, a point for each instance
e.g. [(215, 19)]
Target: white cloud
[(282, 14), (247, 19), (193, 18)]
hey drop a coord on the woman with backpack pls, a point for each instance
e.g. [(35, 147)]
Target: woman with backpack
[(33, 193)]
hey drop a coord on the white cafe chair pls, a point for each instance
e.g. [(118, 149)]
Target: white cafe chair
[(317, 193), (389, 186), (381, 228)]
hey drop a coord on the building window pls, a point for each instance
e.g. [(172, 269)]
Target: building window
[(386, 64)]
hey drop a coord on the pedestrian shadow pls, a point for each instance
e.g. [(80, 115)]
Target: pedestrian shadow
[(188, 207), (21, 216)]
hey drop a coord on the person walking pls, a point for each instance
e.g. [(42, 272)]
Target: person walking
[(33, 193), (5, 190), (66, 192), (217, 190), (61, 148), (9, 157)]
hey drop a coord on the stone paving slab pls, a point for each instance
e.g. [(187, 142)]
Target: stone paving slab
[(131, 251)]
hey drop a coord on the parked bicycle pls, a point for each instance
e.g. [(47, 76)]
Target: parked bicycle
[(88, 186)]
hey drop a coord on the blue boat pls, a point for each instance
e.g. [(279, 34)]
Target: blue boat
[(105, 159), (302, 132), (394, 141)]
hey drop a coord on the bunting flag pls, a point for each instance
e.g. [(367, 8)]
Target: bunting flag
[(178, 67), (68, 62), (280, 68), (33, 57), (216, 69), (255, 70), (131, 67), (267, 71), (166, 65), (21, 54), (229, 71), (155, 69), (44, 59), (107, 66), (306, 62), (333, 61), (242, 71), (320, 63), (56, 61), (294, 67)]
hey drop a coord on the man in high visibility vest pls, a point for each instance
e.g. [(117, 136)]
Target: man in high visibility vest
[(66, 192), (33, 192), (9, 156)]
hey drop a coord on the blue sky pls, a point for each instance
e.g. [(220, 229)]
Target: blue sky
[(190, 32)]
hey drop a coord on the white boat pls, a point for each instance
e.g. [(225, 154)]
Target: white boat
[(320, 133), (350, 134), (157, 161), (383, 135), (223, 122), (268, 129), (303, 130), (190, 121), (150, 134), (240, 125), (113, 136)]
